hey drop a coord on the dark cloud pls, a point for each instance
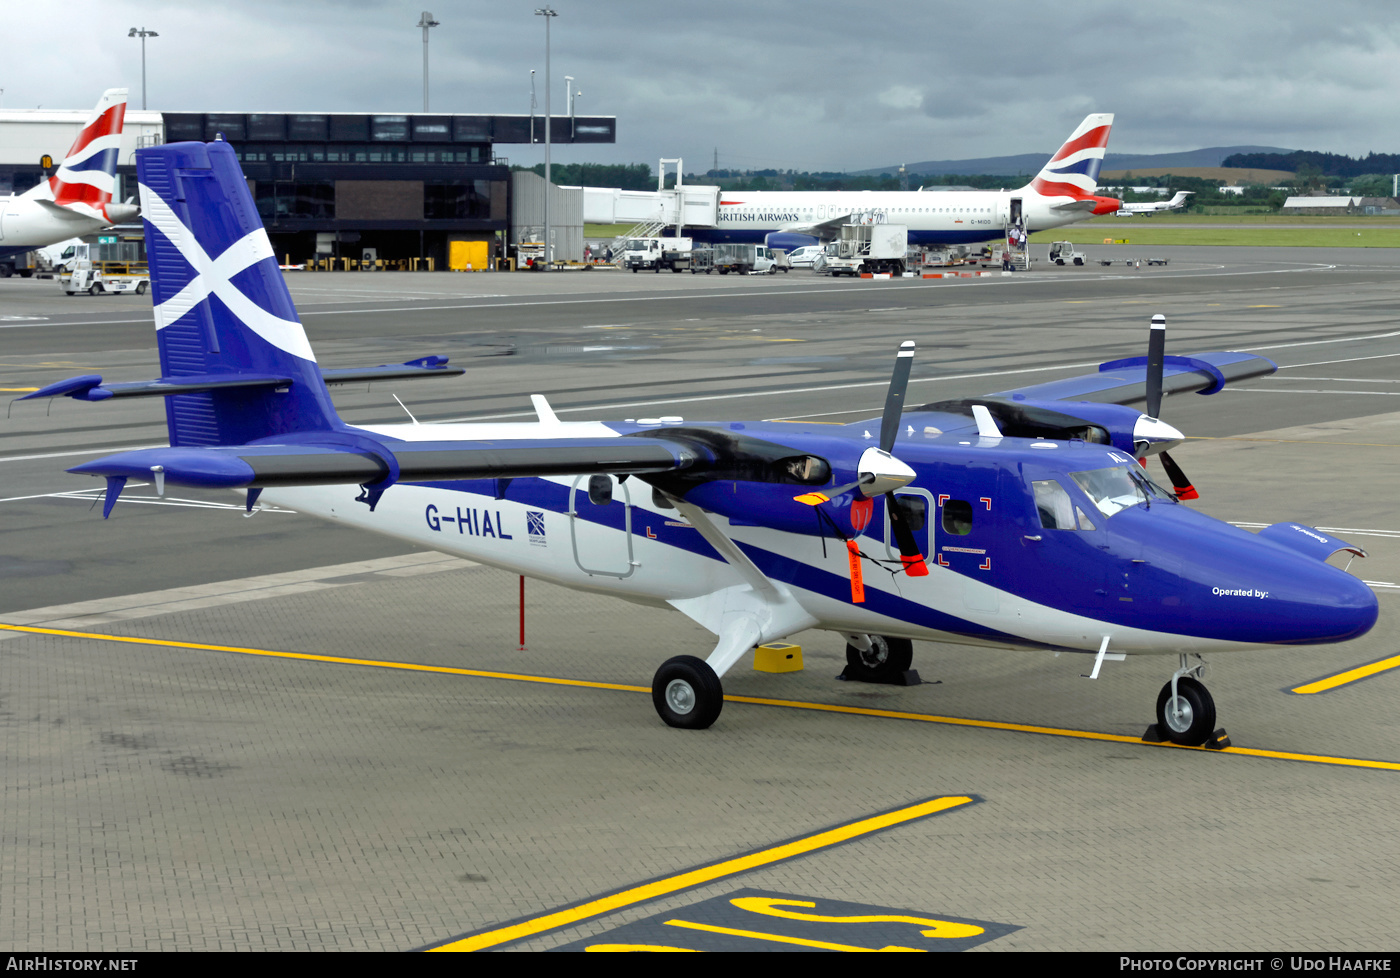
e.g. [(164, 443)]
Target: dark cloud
[(820, 84)]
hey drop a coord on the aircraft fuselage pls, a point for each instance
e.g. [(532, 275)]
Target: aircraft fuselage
[(1151, 573)]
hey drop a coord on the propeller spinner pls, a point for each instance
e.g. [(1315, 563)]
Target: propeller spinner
[(880, 472), (1155, 435)]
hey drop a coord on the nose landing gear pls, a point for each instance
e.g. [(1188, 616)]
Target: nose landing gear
[(1186, 711)]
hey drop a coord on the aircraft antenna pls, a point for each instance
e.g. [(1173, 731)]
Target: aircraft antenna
[(405, 409)]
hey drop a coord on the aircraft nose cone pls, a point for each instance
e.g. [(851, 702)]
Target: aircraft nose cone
[(1310, 602)]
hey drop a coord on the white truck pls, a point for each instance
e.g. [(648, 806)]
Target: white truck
[(657, 253), (744, 259), (868, 249)]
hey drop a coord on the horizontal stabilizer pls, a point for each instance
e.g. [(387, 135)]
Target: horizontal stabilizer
[(89, 387), (64, 213), (412, 370)]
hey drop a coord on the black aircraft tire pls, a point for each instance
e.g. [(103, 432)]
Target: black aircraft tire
[(1197, 720), (687, 693), (888, 658)]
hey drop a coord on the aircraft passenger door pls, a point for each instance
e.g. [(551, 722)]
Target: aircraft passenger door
[(600, 526), (1015, 217), (968, 527)]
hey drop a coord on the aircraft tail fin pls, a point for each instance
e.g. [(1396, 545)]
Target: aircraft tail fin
[(222, 309), (1074, 169), (87, 176)]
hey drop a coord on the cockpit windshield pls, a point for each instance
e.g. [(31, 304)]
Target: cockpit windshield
[(1119, 487)]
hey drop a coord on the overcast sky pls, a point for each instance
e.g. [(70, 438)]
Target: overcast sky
[(815, 85)]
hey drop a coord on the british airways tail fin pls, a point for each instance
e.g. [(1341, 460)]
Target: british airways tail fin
[(87, 178), (225, 321), (1074, 169)]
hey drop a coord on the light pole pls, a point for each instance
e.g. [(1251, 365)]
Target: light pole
[(533, 103), (548, 14), (143, 34), (425, 22), (569, 88)]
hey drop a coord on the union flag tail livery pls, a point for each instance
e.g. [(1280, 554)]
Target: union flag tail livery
[(1073, 171), (76, 200), (87, 178)]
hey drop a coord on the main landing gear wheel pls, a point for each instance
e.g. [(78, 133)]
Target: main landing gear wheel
[(1189, 718), (687, 693), (887, 659)]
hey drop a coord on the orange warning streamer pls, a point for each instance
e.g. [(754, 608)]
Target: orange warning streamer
[(857, 581)]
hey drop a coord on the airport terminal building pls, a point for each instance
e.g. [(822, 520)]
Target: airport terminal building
[(335, 184)]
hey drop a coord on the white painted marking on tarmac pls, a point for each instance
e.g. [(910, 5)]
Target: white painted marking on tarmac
[(87, 451), (1335, 339), (1323, 363), (1286, 390), (149, 603), (1354, 531), (92, 322)]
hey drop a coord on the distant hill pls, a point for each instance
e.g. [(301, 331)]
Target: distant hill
[(1230, 175), (1031, 163)]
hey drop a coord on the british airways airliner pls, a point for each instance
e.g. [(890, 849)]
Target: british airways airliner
[(1061, 193), (77, 199)]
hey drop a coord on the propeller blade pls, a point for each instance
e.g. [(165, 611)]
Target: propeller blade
[(909, 553), (1156, 352), (1182, 485), (894, 400)]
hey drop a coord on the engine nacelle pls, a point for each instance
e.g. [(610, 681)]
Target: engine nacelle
[(789, 240)]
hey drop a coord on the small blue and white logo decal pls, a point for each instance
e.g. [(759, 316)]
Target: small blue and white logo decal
[(534, 527)]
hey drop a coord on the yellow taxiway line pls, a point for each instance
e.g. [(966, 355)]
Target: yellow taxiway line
[(1331, 760), (1329, 683), (703, 875)]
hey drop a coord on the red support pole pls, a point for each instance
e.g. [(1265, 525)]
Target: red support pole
[(522, 613)]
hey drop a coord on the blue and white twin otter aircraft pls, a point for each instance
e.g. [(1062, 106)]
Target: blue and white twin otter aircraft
[(1022, 519)]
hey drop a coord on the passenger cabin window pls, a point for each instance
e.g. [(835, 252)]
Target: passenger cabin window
[(957, 517)]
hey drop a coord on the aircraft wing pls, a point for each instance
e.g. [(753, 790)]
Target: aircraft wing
[(828, 230), (374, 461), (1125, 381), (343, 458)]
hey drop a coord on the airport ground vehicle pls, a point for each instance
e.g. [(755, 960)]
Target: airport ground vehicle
[(24, 264), (865, 249), (99, 278), (655, 254), (1064, 253), (86, 272), (805, 256), (744, 258)]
